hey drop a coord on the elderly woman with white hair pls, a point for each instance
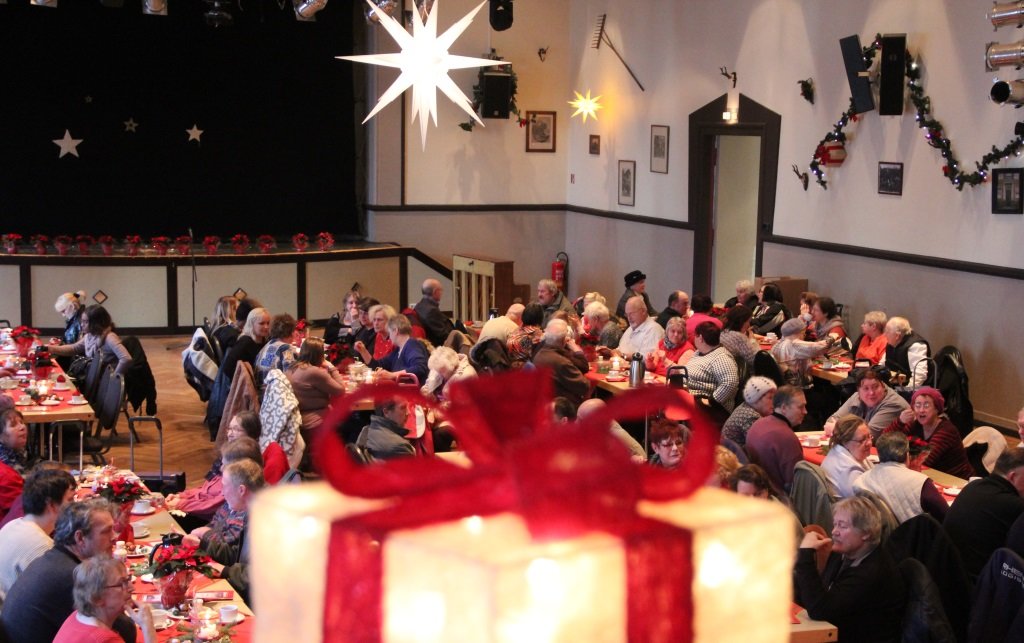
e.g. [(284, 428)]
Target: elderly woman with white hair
[(674, 349), (794, 354), (757, 403), (102, 592), (871, 344), (446, 366), (380, 315), (601, 330), (70, 305)]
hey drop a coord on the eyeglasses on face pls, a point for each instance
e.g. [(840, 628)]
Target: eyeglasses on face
[(668, 444), (125, 583)]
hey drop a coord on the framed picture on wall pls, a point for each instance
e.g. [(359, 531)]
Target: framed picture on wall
[(659, 149), (595, 144), (540, 131), (890, 178), (627, 182), (1006, 191)]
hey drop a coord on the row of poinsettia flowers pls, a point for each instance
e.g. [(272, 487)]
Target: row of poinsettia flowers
[(132, 243)]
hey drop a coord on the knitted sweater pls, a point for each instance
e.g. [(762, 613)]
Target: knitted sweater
[(945, 448)]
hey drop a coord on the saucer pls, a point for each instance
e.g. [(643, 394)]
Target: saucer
[(20, 403), (142, 533), (141, 551), (74, 403), (953, 491), (49, 403), (62, 387), (239, 617), (143, 513)]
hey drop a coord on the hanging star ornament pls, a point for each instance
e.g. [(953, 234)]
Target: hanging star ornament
[(425, 63), (586, 105), (194, 133), (131, 126), (67, 144)]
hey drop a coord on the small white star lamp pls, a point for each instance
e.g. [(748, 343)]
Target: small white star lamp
[(586, 105), (424, 62)]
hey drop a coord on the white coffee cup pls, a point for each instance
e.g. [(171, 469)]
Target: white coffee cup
[(139, 529), (142, 505), (228, 614), (24, 399), (161, 618), (77, 399), (812, 441)]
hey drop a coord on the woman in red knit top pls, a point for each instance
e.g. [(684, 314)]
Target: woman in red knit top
[(924, 420)]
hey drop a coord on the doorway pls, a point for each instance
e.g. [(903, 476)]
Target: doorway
[(732, 179)]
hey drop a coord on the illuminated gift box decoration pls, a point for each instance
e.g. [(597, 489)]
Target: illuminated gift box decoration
[(552, 535)]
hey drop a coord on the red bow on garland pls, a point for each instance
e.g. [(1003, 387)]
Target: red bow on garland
[(563, 481)]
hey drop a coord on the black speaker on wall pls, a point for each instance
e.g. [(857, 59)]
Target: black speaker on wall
[(892, 69), (856, 74), (501, 14), (497, 95)]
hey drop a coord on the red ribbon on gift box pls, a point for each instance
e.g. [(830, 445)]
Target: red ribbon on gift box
[(563, 481)]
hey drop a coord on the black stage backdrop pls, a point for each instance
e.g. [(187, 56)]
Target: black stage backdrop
[(276, 154)]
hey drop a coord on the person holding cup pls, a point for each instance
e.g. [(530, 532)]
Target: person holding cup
[(924, 420), (102, 592)]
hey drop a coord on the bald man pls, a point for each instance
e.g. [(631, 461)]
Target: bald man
[(435, 324), (500, 327)]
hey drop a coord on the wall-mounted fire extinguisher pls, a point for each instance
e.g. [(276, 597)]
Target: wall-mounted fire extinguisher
[(560, 270)]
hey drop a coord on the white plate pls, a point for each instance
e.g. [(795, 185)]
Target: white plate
[(62, 387), (23, 372), (809, 445), (146, 578), (49, 403), (142, 533), (20, 403), (953, 491), (143, 513), (141, 551), (238, 619), (74, 403)]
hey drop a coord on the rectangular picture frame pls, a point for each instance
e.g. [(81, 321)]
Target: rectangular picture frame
[(1007, 186), (627, 183), (595, 145), (659, 149), (890, 178), (541, 131)]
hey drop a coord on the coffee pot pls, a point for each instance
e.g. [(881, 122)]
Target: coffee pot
[(636, 370)]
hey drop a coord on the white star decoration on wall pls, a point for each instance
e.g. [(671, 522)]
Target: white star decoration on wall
[(130, 125), (194, 133), (425, 63), (67, 144), (586, 105)]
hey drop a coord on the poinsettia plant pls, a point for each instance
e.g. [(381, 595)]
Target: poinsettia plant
[(105, 240), (62, 240), (266, 243), (325, 240), (133, 240), (175, 558), (122, 489), (300, 241), (25, 332), (40, 239), (12, 239), (240, 242), (84, 242), (918, 445)]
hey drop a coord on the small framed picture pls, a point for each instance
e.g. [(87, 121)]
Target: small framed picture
[(540, 131), (890, 178), (1006, 191), (595, 144), (659, 149), (627, 182)]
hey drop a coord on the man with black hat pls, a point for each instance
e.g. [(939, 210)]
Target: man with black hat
[(636, 285)]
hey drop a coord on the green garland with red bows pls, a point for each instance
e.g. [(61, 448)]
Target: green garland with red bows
[(934, 131)]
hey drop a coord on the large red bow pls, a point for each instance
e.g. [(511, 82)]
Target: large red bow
[(564, 481)]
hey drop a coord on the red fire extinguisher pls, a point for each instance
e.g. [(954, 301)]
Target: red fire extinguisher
[(560, 270)]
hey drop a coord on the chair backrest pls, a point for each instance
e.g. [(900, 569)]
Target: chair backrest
[(951, 379), (924, 620), (998, 611), (766, 366), (812, 495), (994, 441), (358, 453), (92, 379), (111, 400)]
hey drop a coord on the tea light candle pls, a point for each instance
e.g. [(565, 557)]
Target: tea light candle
[(615, 363)]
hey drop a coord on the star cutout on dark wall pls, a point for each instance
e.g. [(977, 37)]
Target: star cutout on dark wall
[(67, 144), (130, 125), (194, 133)]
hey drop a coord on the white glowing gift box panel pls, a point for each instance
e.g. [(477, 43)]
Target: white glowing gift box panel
[(486, 580), (743, 549)]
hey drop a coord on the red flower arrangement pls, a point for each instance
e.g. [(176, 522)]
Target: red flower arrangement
[(25, 332), (132, 243), (183, 244), (160, 244), (300, 241), (122, 489), (11, 241), (917, 445), (325, 240), (84, 242), (240, 243), (40, 241), (266, 243), (211, 243), (62, 243), (175, 558), (106, 244)]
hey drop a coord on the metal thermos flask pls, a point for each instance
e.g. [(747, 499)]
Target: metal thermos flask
[(636, 370)]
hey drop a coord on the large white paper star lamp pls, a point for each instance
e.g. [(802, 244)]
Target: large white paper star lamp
[(424, 63), (586, 105)]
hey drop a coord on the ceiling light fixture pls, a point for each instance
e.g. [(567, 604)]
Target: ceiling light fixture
[(217, 14), (305, 10), (154, 7)]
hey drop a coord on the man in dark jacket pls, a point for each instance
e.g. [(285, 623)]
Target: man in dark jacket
[(566, 360), (435, 324), (907, 352), (41, 599), (980, 519), (384, 437)]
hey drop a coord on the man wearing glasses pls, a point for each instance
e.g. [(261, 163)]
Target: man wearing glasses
[(41, 599)]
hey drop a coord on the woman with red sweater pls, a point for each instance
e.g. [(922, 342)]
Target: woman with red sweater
[(924, 420)]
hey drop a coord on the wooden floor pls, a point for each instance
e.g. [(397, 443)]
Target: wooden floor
[(187, 445)]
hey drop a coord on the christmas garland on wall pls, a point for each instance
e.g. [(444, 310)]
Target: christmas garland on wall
[(934, 131)]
